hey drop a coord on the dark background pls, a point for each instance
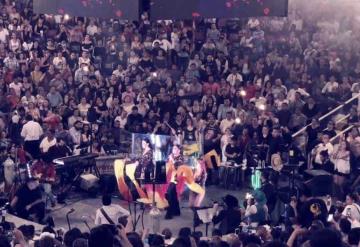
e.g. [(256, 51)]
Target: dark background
[(187, 9), (120, 9)]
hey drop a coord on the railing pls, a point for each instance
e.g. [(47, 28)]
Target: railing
[(328, 114), (341, 133)]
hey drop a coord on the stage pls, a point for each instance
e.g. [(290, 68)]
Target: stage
[(86, 208)]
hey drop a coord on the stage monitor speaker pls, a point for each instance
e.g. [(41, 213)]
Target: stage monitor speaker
[(320, 185)]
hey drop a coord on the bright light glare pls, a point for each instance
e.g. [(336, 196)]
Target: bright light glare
[(262, 107)]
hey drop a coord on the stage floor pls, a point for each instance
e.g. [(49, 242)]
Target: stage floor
[(86, 208)]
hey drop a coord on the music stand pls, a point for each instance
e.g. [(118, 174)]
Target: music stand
[(205, 214), (156, 176)]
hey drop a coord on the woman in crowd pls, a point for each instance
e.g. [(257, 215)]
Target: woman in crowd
[(190, 133), (352, 208), (341, 160), (256, 209)]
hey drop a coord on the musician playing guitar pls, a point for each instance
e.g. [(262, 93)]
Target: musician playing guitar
[(44, 171), (175, 160)]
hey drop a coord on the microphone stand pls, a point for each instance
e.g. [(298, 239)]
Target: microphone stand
[(85, 222), (67, 217)]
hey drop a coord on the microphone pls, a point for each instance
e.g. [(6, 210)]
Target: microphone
[(67, 217), (83, 218)]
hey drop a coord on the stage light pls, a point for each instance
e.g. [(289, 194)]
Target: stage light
[(243, 93), (66, 17), (28, 170), (237, 120), (154, 74)]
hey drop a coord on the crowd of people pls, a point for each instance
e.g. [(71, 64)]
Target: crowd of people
[(236, 86)]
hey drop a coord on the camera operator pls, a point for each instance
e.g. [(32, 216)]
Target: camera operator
[(28, 201)]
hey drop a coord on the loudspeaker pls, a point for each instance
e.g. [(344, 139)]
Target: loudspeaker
[(320, 185), (88, 181)]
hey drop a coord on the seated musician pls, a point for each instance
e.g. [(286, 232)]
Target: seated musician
[(176, 159), (44, 171), (59, 150), (145, 165), (28, 201)]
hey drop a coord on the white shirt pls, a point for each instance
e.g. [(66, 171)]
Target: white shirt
[(164, 44), (31, 131), (354, 211), (232, 78), (341, 160), (253, 23), (26, 100), (59, 63), (330, 87), (17, 88), (3, 35), (113, 211), (84, 60), (225, 123), (292, 92), (84, 108), (122, 121), (75, 134), (45, 144), (91, 30), (321, 147)]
